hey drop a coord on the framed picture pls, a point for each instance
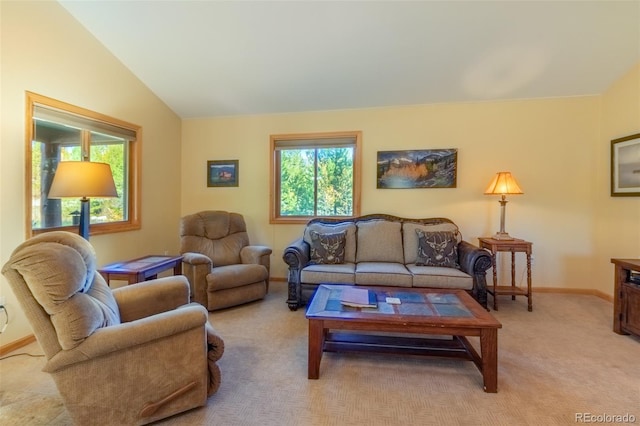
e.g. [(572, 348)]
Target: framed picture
[(427, 168), (222, 173), (625, 166)]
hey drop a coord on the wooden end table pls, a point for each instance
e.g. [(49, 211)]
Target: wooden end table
[(514, 246), (141, 269)]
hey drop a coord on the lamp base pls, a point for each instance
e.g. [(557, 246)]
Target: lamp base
[(83, 229), (502, 236)]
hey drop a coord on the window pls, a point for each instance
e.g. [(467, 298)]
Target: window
[(315, 175), (58, 132)]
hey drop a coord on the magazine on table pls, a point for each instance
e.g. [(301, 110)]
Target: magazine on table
[(358, 298)]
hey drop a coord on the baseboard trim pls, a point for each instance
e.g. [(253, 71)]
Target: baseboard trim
[(17, 344), (586, 291)]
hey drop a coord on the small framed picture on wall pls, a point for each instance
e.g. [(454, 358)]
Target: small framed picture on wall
[(625, 166), (222, 173)]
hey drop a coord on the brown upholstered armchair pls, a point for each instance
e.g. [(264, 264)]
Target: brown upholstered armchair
[(222, 267), (128, 356)]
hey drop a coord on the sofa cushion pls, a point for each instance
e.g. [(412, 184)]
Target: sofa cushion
[(383, 273), (232, 276), (379, 241), (440, 277), (437, 249), (338, 274), (327, 248), (350, 236), (410, 237)]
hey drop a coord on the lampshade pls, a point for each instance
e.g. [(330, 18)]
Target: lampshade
[(82, 179), (503, 183)]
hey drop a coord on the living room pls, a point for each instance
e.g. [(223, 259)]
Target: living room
[(557, 148)]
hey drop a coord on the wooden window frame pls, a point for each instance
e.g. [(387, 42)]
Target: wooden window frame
[(134, 201), (274, 175)]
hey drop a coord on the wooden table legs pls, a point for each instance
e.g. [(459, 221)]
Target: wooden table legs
[(486, 361)]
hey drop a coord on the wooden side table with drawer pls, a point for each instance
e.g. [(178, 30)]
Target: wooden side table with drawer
[(514, 246), (626, 296)]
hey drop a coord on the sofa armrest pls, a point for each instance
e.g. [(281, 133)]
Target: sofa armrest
[(196, 267), (255, 255), (196, 259), (296, 255), (151, 297), (475, 261), (126, 335)]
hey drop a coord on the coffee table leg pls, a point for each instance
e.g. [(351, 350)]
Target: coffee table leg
[(316, 342), (489, 350)]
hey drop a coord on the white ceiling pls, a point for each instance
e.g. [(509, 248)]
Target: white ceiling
[(219, 58)]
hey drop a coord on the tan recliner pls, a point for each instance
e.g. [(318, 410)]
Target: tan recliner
[(128, 356), (222, 267)]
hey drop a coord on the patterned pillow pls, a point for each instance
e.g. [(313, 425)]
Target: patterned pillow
[(437, 249), (327, 248)]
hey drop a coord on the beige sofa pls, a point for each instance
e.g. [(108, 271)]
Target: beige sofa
[(384, 250)]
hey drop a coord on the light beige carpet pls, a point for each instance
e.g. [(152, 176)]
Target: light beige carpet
[(559, 361)]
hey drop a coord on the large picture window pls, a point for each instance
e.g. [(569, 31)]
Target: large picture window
[(58, 132), (315, 175)]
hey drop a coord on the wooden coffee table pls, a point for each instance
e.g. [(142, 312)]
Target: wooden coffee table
[(422, 312), (141, 269)]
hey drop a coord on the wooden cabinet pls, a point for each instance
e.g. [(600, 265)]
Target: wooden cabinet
[(626, 297)]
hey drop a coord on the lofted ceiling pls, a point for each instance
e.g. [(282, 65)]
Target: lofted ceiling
[(221, 58)]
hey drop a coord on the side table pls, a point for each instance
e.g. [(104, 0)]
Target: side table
[(141, 269), (514, 246), (626, 296)]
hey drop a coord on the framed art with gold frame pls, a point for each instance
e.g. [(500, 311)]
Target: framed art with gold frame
[(625, 166)]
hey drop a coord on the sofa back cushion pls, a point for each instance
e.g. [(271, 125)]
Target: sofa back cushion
[(59, 268), (219, 235), (379, 241), (330, 228), (410, 237)]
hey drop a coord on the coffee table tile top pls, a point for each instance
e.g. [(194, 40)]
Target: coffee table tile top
[(327, 302), (137, 263)]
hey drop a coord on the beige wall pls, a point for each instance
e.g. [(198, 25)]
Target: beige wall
[(547, 144), (557, 148), (46, 51), (617, 229)]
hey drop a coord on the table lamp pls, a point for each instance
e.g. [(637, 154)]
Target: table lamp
[(84, 180), (503, 184)]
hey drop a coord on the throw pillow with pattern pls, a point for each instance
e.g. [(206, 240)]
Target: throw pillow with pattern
[(437, 249), (327, 248)]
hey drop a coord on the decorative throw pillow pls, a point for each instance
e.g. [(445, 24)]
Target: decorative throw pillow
[(327, 248), (437, 249)]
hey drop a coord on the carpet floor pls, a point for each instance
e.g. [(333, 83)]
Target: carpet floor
[(557, 365)]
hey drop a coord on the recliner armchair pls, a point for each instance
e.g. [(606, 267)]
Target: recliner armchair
[(222, 267), (132, 355)]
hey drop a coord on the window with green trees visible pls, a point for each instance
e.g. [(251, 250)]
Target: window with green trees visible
[(62, 132), (315, 175)]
